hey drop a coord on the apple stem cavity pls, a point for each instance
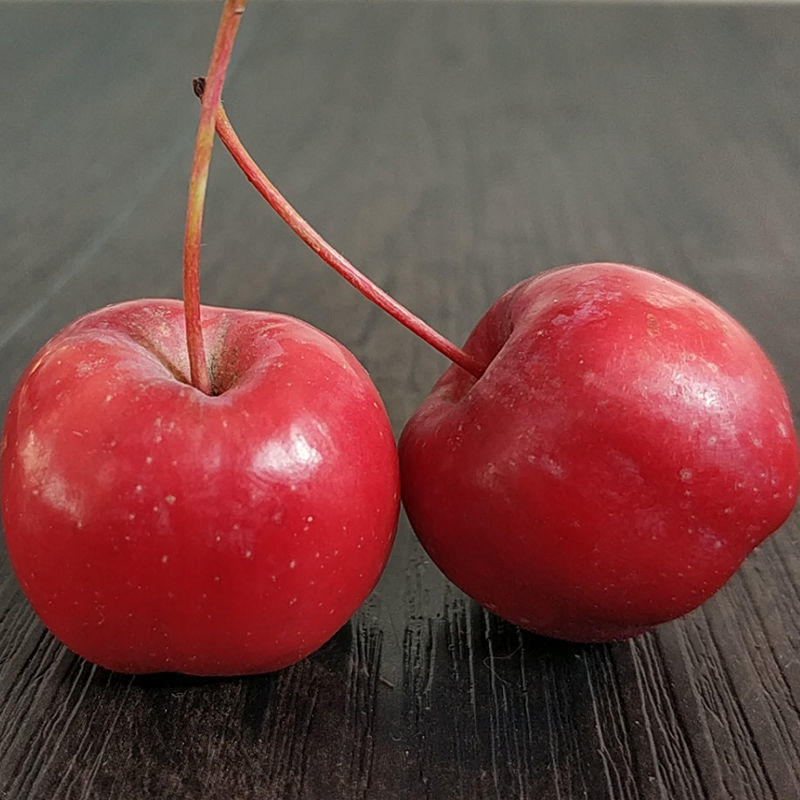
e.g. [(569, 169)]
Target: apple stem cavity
[(204, 141), (328, 254)]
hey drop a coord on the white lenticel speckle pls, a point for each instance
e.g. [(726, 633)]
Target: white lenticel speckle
[(686, 474), (292, 564), (170, 498)]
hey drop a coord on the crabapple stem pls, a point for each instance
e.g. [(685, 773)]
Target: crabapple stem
[(328, 254), (204, 141)]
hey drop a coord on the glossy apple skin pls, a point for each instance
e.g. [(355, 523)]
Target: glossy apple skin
[(627, 447), (156, 528)]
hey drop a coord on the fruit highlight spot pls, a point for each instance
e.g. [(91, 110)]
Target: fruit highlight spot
[(294, 456)]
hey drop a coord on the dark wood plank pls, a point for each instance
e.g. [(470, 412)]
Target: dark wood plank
[(451, 150)]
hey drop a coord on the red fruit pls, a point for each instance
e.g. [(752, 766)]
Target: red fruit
[(627, 446), (608, 449), (154, 527)]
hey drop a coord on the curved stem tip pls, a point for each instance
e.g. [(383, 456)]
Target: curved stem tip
[(328, 254)]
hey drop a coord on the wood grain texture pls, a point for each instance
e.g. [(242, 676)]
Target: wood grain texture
[(450, 150)]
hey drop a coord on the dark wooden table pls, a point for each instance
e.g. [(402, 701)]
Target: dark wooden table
[(450, 150)]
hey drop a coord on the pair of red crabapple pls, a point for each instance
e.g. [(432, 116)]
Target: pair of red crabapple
[(600, 458), (625, 448)]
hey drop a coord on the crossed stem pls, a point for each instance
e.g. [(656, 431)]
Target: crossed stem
[(328, 254)]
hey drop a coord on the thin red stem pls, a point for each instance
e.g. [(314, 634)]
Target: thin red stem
[(327, 253), (220, 56)]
